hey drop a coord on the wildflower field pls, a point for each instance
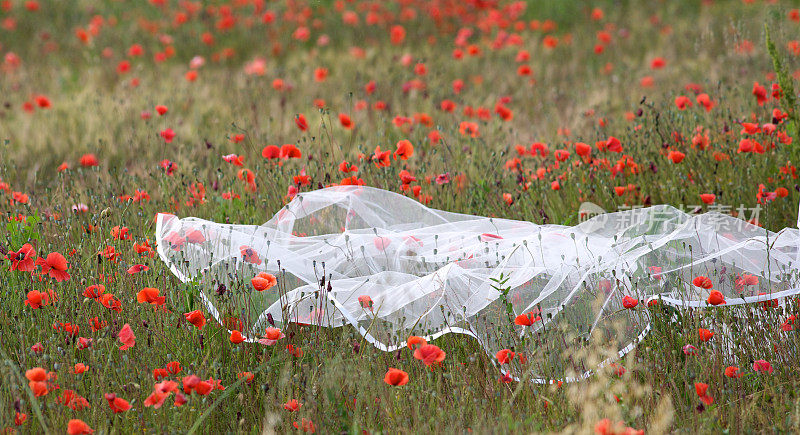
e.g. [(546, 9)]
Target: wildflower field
[(114, 111)]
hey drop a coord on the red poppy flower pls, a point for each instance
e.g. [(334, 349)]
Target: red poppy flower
[(180, 399), (505, 356), (345, 120), (676, 156), (733, 372), (683, 102), (429, 354), (617, 369), (78, 427), (305, 425), (295, 351), (196, 318), (629, 302), (613, 144), (160, 393), (701, 390), (126, 337), (763, 366), (117, 404), (24, 259), (151, 296), (406, 177), (397, 34), (381, 158), (247, 376), (705, 101), (36, 374), (55, 265), (42, 101), (415, 341), (136, 268), (320, 74), (271, 336), (73, 400), (788, 324), (289, 151), (234, 159), (300, 122), (381, 242), (705, 334), (168, 135), (658, 63), (38, 388), (263, 281), (347, 167), (528, 319), (404, 150), (292, 405), (703, 282), (168, 166), (760, 93), (236, 337), (88, 160), (395, 377), (174, 367), (715, 297), (582, 149), (365, 301), (36, 299), (707, 198), (249, 255)]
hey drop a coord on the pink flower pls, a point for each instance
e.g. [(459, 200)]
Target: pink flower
[(271, 336), (136, 268), (382, 242), (365, 301), (763, 366), (126, 337)]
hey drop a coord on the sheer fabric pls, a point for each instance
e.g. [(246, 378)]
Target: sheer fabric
[(391, 267)]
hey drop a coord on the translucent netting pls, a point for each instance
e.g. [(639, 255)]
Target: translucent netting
[(430, 272)]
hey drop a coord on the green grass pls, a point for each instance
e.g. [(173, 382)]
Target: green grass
[(339, 379)]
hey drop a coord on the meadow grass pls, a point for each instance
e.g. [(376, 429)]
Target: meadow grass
[(574, 93)]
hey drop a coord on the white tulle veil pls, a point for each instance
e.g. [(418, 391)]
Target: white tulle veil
[(429, 272)]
